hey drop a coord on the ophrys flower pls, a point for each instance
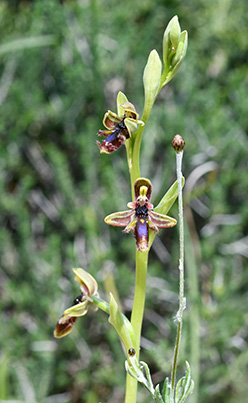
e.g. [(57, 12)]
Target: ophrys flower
[(141, 218), (120, 127), (88, 287)]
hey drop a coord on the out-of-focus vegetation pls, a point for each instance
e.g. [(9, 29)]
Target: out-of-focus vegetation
[(61, 66)]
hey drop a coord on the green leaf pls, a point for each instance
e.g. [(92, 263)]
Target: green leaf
[(164, 205), (157, 395), (148, 376), (184, 386), (166, 391), (169, 199), (135, 369)]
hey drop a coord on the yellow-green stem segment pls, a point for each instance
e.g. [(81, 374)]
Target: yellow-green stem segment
[(137, 316)]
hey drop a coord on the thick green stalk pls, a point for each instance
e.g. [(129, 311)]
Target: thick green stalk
[(137, 316), (139, 296), (133, 154), (179, 157)]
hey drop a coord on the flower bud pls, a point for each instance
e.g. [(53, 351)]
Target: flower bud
[(175, 45), (171, 38), (151, 79), (181, 51), (178, 143)]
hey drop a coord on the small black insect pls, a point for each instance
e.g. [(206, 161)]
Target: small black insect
[(78, 300)]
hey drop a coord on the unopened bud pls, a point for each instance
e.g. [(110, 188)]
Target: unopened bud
[(178, 143)]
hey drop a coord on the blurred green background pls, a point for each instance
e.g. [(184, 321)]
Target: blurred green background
[(61, 66)]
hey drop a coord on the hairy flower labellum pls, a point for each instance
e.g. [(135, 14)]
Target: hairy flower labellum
[(141, 218)]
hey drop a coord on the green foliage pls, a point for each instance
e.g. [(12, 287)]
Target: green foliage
[(62, 64)]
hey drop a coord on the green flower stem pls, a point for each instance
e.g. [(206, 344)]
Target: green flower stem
[(133, 158), (137, 317), (101, 304), (131, 389), (139, 296), (179, 157), (133, 151)]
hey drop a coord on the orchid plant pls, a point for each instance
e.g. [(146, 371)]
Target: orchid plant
[(124, 127)]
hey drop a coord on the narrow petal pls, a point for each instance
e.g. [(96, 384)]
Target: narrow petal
[(161, 220), (64, 326), (152, 226), (87, 283), (77, 310), (104, 133), (132, 205), (131, 226), (111, 120), (131, 126), (129, 110), (119, 219), (141, 235)]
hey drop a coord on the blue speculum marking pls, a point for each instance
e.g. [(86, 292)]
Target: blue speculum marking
[(141, 211)]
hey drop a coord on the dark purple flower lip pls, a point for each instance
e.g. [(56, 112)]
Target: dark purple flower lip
[(115, 138)]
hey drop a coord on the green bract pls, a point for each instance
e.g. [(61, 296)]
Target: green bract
[(121, 324)]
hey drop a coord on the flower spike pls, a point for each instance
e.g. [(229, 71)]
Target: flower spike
[(88, 287), (140, 218), (120, 127)]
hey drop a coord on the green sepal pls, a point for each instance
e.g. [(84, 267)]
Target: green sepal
[(77, 310), (121, 99), (121, 324), (185, 386), (151, 79)]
